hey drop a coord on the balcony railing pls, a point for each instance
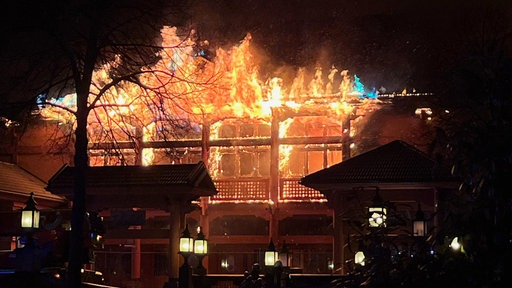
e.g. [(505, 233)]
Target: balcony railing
[(292, 190), (258, 190), (242, 190)]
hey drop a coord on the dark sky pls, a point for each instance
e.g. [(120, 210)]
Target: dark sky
[(390, 43)]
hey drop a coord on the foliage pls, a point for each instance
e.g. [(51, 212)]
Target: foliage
[(473, 118)]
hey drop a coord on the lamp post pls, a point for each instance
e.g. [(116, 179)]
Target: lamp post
[(28, 257), (273, 266), (377, 212), (30, 214), (200, 250), (271, 255), (186, 249)]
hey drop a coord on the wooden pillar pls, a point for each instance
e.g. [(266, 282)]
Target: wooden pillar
[(205, 155), (136, 250), (205, 142), (345, 146), (274, 173), (339, 237), (175, 218)]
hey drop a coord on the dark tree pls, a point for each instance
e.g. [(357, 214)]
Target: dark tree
[(53, 47), (474, 118)]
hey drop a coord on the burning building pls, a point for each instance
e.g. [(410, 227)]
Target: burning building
[(258, 138)]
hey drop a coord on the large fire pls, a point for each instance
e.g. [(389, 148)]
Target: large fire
[(186, 91)]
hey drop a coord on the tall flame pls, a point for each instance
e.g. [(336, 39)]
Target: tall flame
[(184, 91)]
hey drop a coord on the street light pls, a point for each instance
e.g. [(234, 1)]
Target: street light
[(200, 250), (419, 225), (271, 255), (186, 248), (377, 212), (30, 214), (186, 243)]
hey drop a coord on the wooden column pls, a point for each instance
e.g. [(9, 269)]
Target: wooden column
[(339, 238), (205, 155), (136, 259), (274, 172), (175, 218), (136, 250), (345, 146)]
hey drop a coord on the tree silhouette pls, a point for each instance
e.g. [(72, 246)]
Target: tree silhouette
[(54, 48)]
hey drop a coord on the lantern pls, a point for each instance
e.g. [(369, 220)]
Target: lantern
[(30, 214), (377, 212), (200, 250), (271, 255), (200, 244), (186, 242)]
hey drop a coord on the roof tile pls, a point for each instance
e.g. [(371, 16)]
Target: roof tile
[(394, 162)]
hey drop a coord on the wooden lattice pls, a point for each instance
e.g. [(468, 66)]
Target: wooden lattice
[(242, 190), (291, 189)]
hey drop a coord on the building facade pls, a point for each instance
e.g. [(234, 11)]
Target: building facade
[(256, 165)]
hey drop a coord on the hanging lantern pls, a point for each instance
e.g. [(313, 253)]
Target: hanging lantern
[(271, 255), (377, 212), (419, 225), (30, 214), (186, 242)]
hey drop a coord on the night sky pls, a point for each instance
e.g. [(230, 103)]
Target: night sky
[(390, 43)]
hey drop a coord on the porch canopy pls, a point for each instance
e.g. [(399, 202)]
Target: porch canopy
[(398, 171), (170, 188), (156, 186), (395, 165), (16, 184)]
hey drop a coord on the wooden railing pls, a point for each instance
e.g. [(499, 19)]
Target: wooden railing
[(292, 190), (242, 190), (259, 190)]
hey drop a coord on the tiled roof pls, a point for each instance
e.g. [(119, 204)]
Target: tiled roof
[(395, 162), (194, 175), (17, 181)]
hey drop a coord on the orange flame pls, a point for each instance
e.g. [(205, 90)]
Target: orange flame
[(182, 87)]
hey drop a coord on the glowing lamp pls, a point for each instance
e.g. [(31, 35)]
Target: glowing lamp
[(330, 265), (271, 255), (30, 214), (359, 258), (186, 242), (200, 244), (456, 245), (200, 250), (419, 225), (377, 212)]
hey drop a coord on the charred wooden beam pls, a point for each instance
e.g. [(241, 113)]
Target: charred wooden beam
[(263, 141)]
